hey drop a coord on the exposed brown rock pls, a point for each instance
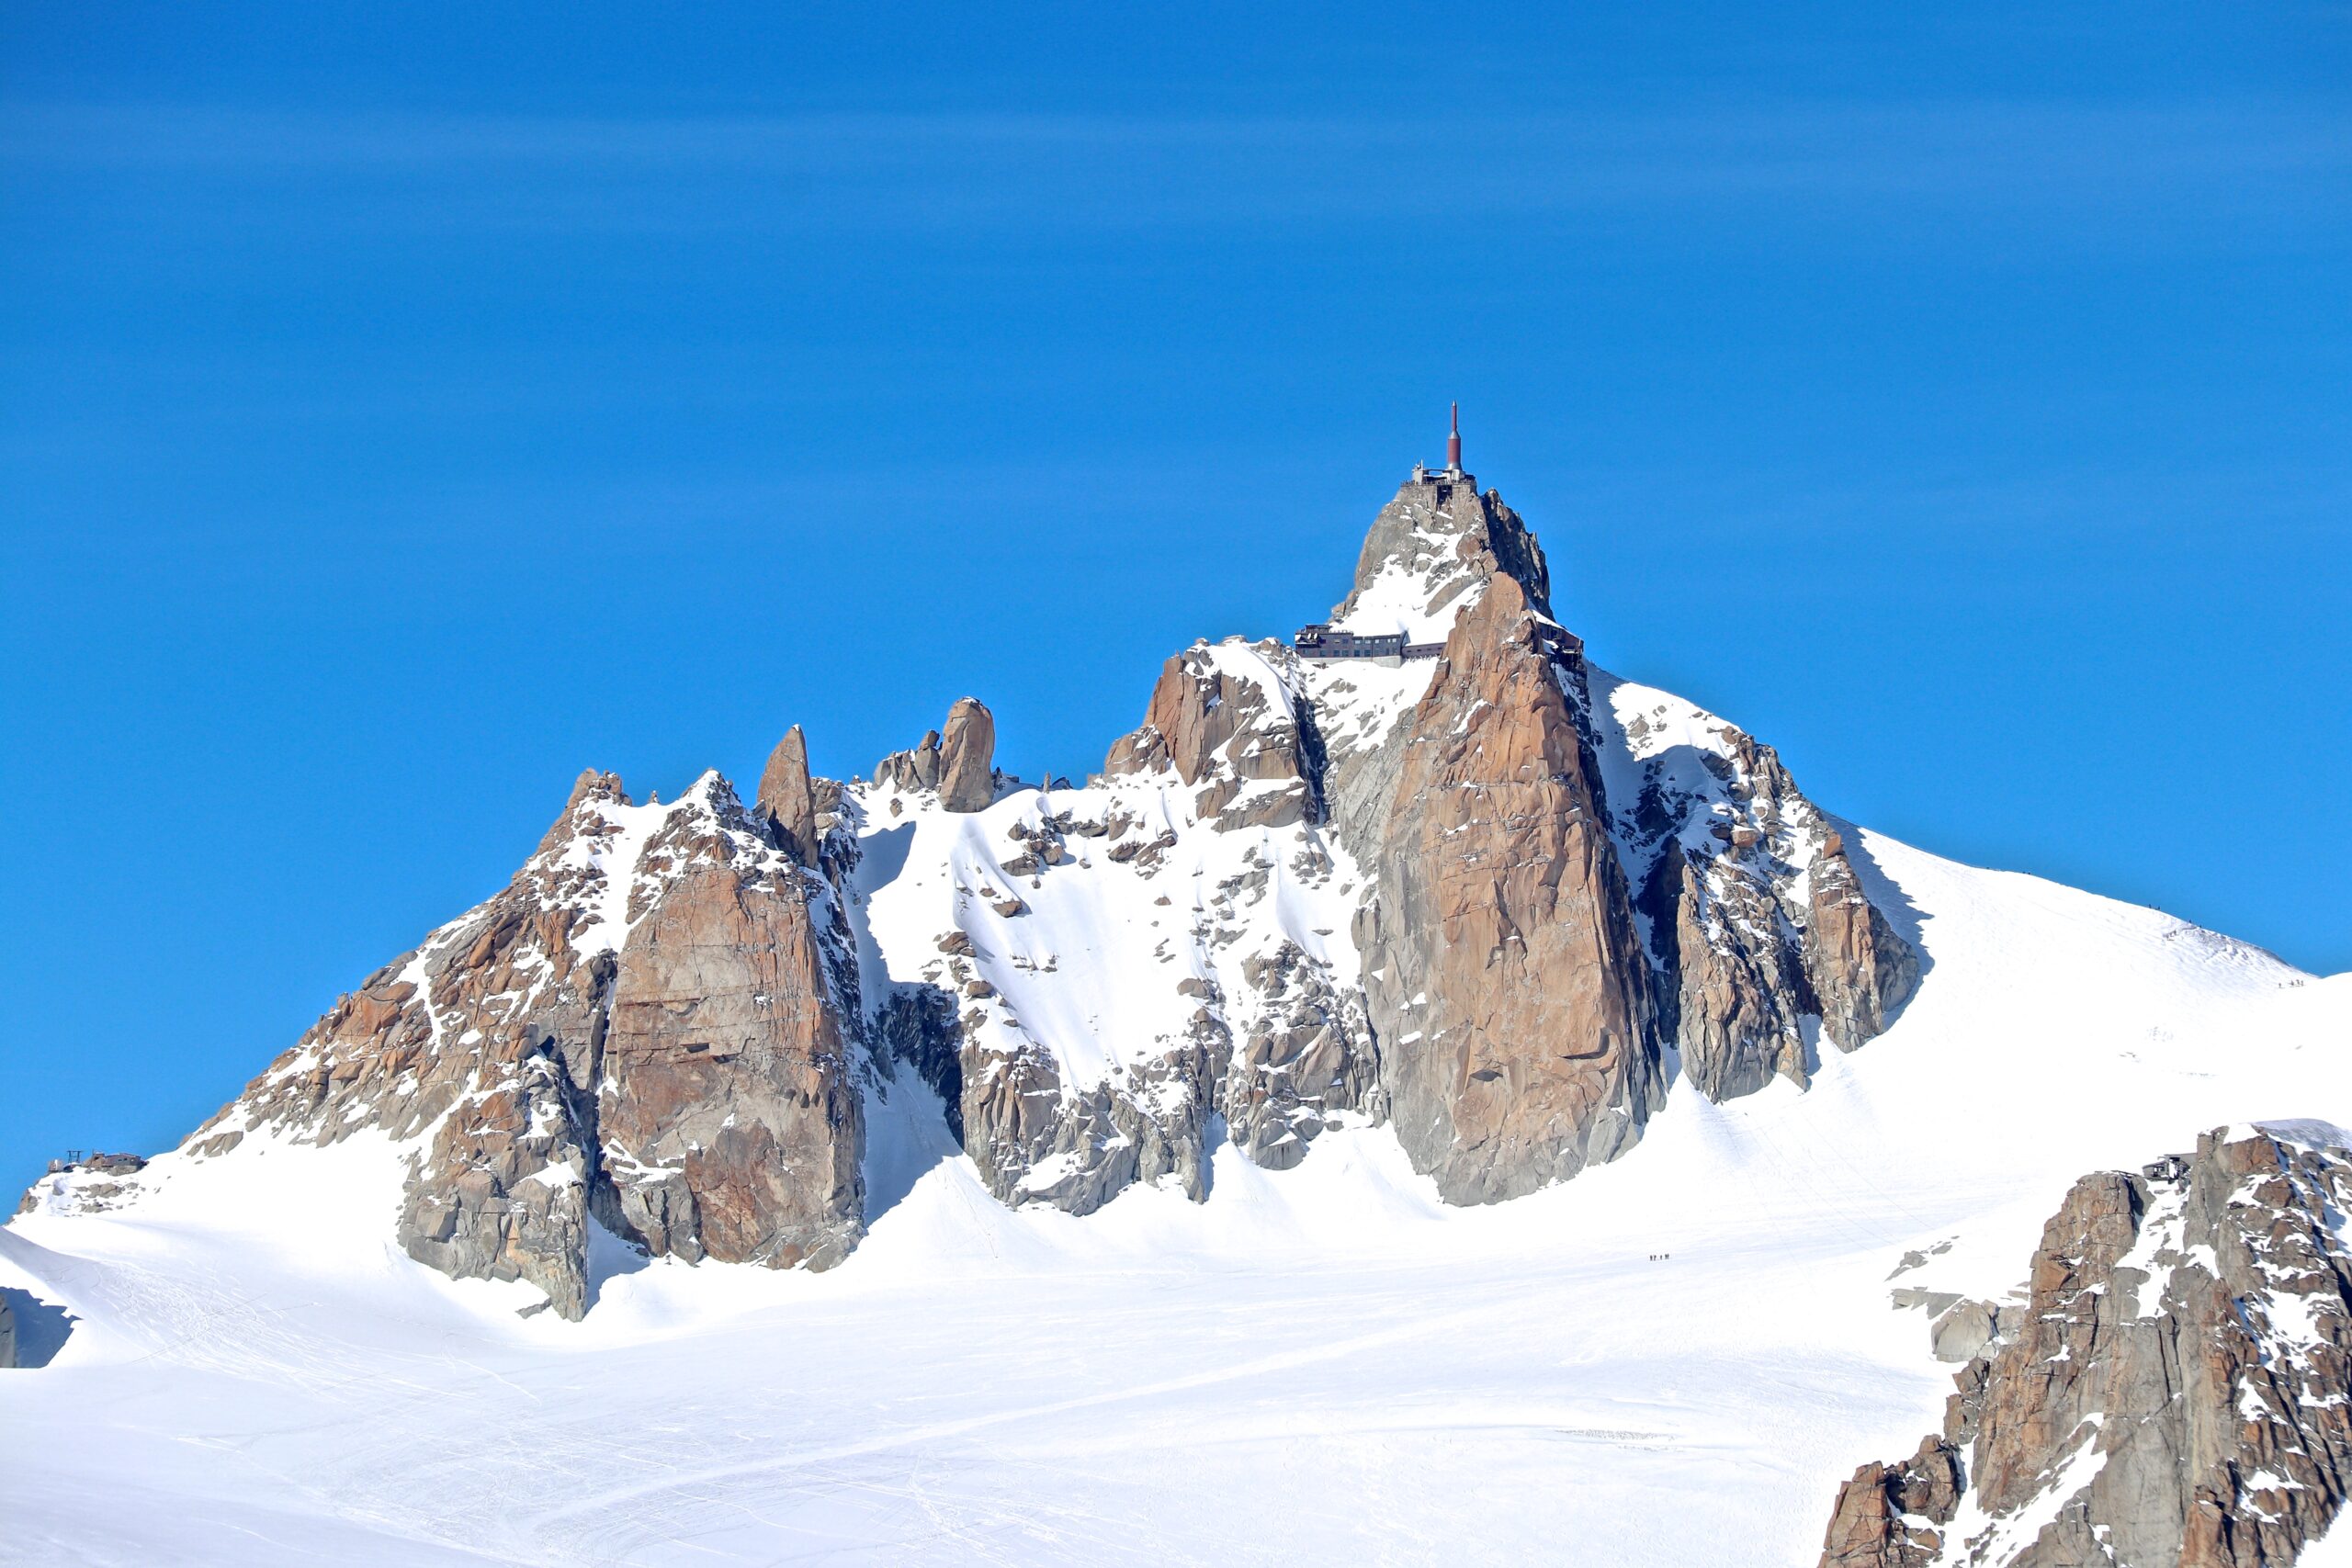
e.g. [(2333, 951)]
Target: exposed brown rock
[(1450, 541), (1226, 731), (1861, 973), (2176, 1390), (968, 758), (787, 803), (1136, 753), (1300, 1057), (1886, 1514), (1737, 997), (731, 1126), (545, 1039), (1508, 987), (1756, 919), (1030, 1142), (918, 769)]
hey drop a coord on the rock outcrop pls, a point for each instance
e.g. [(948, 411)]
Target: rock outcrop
[(1226, 730), (788, 798), (1886, 1515), (1756, 919), (1434, 550), (1301, 1057), (959, 765), (2178, 1390), (1223, 999), (90, 1186), (1737, 995), (910, 771), (968, 758), (1860, 972), (726, 1099), (1505, 979), (647, 1029)]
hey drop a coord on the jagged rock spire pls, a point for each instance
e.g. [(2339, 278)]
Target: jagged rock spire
[(968, 757), (961, 765), (788, 802)]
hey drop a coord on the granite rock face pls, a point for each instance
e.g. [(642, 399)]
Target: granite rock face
[(1506, 981), (1887, 1515), (726, 1099), (1758, 922), (1737, 1000), (1654, 893), (1233, 1012), (1860, 972), (1300, 1058), (788, 798), (1435, 546), (2178, 1390), (914, 770), (646, 1030), (968, 757), (1225, 730), (959, 765)]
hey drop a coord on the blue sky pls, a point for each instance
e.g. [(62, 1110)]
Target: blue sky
[(399, 414)]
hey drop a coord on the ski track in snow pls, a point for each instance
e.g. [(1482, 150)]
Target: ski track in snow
[(1318, 1365)]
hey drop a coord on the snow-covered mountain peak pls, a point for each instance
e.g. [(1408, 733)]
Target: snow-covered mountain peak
[(1322, 990)]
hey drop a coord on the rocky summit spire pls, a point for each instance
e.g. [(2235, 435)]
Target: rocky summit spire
[(968, 757), (787, 800), (1431, 550)]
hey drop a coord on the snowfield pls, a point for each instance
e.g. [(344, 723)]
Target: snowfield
[(1321, 1365)]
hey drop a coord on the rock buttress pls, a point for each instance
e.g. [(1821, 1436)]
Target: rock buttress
[(538, 1053), (968, 757), (1506, 982), (731, 1122), (788, 798)]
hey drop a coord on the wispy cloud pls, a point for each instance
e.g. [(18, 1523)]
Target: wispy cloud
[(2268, 163)]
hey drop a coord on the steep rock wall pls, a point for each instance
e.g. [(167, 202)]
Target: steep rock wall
[(2178, 1390), (1505, 979), (635, 1032)]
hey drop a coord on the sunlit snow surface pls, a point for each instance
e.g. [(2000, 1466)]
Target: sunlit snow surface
[(1318, 1365)]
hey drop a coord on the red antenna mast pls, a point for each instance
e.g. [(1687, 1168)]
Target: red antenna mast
[(1454, 442)]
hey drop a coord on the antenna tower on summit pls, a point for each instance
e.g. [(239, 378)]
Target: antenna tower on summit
[(1451, 474)]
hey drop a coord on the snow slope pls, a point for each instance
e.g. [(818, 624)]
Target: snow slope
[(1317, 1365), (1089, 965)]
